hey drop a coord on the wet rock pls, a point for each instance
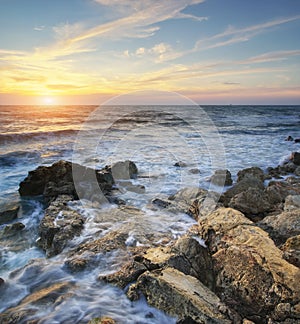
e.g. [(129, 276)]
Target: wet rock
[(14, 228), (221, 178), (180, 164), (59, 178), (297, 171), (289, 138), (181, 295), (59, 225), (194, 171), (253, 172), (295, 158), (252, 202), (282, 189), (281, 227), (251, 275), (123, 170), (161, 203), (9, 214), (291, 250), (297, 140), (2, 282), (30, 305)]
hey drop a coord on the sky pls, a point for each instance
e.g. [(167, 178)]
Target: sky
[(211, 51)]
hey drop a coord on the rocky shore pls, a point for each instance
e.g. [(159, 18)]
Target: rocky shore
[(238, 264)]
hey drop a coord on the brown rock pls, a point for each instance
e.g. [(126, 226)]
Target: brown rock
[(9, 214), (182, 295), (292, 203), (295, 158), (251, 275), (291, 250), (102, 320)]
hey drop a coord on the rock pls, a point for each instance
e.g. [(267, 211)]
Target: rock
[(194, 171), (253, 172), (181, 295), (251, 275), (252, 202), (31, 304), (292, 203), (241, 186), (161, 203), (281, 227), (2, 282), (13, 228), (59, 225), (289, 138), (291, 250), (297, 171), (180, 164), (221, 178), (102, 320), (297, 140), (123, 170), (10, 214), (58, 179), (282, 189), (295, 158)]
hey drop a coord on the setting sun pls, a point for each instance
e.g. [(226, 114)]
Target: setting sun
[(48, 101)]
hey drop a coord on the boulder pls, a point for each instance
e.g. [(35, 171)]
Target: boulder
[(9, 214), (289, 138), (123, 170), (281, 227), (251, 275), (182, 295), (59, 225), (221, 178), (59, 178), (252, 202), (180, 164), (253, 172), (102, 320), (279, 190)]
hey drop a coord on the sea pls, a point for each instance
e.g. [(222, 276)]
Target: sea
[(173, 146)]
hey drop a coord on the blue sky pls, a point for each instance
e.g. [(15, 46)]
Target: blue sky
[(213, 51)]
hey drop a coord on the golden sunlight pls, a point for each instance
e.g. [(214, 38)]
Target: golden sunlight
[(48, 101)]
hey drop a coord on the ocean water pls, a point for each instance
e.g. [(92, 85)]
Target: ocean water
[(155, 138)]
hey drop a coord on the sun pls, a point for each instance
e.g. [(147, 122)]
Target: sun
[(48, 101)]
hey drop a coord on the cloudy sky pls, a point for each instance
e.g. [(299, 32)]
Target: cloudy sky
[(212, 51)]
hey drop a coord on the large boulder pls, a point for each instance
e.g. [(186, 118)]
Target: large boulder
[(59, 225), (123, 170), (295, 158), (182, 295), (253, 172), (8, 213), (251, 274), (59, 178), (291, 250)]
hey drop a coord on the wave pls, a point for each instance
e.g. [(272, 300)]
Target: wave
[(13, 158), (23, 137)]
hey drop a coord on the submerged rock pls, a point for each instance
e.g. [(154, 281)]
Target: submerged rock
[(59, 225), (9, 214)]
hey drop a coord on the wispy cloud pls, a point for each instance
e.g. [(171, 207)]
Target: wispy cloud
[(39, 28), (271, 57), (236, 35)]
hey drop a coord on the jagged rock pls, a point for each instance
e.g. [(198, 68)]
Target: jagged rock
[(180, 164), (292, 203), (9, 214), (295, 158), (59, 179), (291, 250), (253, 172), (251, 275), (182, 295), (221, 178), (251, 202), (282, 189), (102, 320), (59, 225), (13, 228), (281, 227), (31, 304)]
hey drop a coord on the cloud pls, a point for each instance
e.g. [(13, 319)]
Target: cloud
[(271, 57), (234, 35), (39, 28)]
